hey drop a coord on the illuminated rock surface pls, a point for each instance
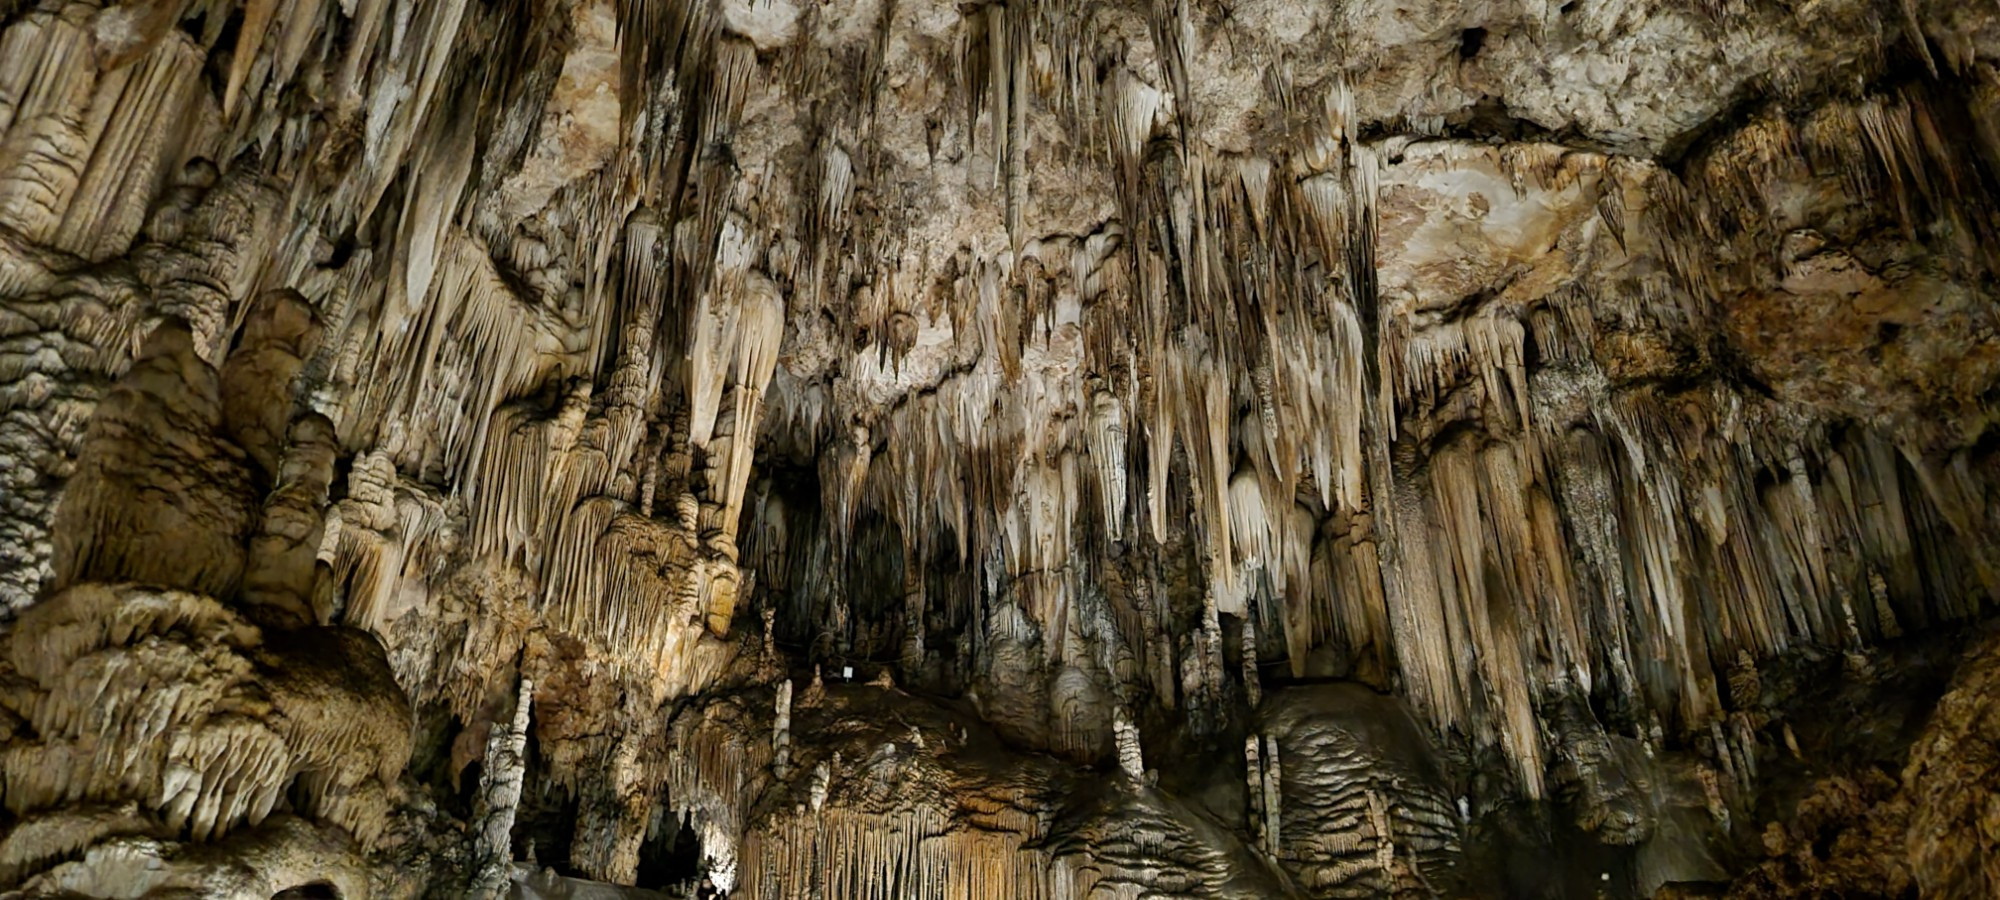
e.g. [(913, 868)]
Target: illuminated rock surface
[(1086, 448)]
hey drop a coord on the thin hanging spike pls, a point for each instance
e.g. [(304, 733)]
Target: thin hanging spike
[(999, 80), (1019, 61)]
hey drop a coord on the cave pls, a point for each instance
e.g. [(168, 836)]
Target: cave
[(977, 450)]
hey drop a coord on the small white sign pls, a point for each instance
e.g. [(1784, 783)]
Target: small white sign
[(847, 672)]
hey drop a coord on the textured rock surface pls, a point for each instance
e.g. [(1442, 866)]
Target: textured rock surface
[(1928, 828), (1100, 378), (1364, 809)]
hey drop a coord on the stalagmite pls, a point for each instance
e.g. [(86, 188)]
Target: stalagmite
[(1205, 684), (1253, 768), (1711, 791), (500, 783), (781, 733), (1885, 615), (281, 578), (1131, 758), (1273, 837), (821, 780), (1385, 836)]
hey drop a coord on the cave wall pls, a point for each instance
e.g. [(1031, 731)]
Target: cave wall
[(523, 376)]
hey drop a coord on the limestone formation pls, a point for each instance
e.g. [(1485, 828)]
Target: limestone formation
[(437, 435)]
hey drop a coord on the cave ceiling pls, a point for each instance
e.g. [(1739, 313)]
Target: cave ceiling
[(1066, 449)]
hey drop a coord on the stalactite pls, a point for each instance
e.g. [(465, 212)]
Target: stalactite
[(1107, 453), (1885, 615), (84, 148), (1253, 686)]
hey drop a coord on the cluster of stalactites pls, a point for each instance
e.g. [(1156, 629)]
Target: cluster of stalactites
[(568, 402), (717, 771), (98, 162), (847, 853), (1219, 351), (1331, 501), (141, 114), (175, 684), (625, 514), (1007, 473)]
